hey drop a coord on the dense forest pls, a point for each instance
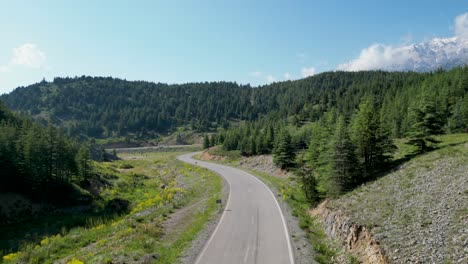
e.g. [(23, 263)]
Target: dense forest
[(97, 107), (108, 107), (40, 161)]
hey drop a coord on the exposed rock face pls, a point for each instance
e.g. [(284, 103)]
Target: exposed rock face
[(357, 239)]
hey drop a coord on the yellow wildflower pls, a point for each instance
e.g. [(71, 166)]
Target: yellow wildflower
[(10, 256), (75, 261)]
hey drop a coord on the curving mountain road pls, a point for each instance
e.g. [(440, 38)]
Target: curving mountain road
[(252, 228)]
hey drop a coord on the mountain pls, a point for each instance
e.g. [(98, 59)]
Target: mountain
[(431, 55), (443, 53)]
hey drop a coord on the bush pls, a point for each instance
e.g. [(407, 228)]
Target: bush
[(122, 185), (117, 206), (125, 166)]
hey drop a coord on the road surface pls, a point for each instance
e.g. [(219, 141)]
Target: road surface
[(252, 228)]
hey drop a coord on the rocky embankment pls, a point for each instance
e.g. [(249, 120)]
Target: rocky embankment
[(416, 214), (356, 238)]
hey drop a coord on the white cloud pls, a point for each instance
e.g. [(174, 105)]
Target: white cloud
[(287, 76), (306, 72), (377, 56), (461, 26), (270, 78), (28, 55), (4, 68)]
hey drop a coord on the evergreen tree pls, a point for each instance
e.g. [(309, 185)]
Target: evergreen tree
[(344, 162), (83, 160), (373, 143), (283, 151), (458, 122), (206, 142), (213, 140), (308, 181), (426, 122)]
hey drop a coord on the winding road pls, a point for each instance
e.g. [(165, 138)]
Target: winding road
[(252, 228)]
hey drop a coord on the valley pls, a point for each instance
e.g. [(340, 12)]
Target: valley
[(233, 132)]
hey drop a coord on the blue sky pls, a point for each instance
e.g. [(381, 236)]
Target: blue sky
[(252, 42)]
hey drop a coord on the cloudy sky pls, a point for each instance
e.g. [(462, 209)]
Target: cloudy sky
[(254, 42)]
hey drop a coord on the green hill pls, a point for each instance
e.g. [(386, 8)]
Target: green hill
[(101, 107)]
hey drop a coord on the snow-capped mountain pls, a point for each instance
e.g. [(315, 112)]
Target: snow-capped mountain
[(426, 56), (436, 53)]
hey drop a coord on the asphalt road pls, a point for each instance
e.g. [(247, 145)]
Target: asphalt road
[(252, 228)]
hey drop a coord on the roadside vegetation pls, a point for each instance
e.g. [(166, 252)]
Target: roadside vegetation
[(163, 204)]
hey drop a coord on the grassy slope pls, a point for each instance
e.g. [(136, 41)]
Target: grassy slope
[(148, 231), (420, 207)]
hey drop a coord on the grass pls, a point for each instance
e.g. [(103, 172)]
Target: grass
[(229, 156), (404, 150), (157, 186)]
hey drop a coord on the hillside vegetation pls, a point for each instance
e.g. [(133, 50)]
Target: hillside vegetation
[(168, 203)]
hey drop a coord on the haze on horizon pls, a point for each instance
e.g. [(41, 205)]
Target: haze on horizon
[(256, 43)]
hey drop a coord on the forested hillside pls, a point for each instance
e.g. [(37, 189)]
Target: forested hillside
[(107, 107), (344, 136), (40, 161)]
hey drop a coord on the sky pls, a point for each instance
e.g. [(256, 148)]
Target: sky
[(255, 42)]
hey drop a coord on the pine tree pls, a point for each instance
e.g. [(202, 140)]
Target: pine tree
[(458, 122), (343, 160), (372, 141), (213, 140), (283, 151), (206, 142), (427, 122), (308, 182), (83, 161)]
